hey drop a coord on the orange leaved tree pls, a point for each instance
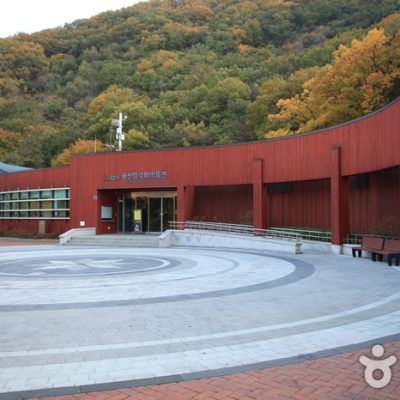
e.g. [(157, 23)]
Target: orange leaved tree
[(361, 79), (79, 147)]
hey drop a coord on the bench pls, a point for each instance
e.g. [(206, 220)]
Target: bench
[(391, 249), (371, 244)]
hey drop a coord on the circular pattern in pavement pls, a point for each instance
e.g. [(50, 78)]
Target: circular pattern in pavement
[(78, 265), (112, 315), (166, 276)]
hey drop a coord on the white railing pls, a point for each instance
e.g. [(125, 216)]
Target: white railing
[(234, 229), (305, 234)]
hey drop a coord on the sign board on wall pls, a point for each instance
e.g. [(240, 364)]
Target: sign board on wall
[(137, 215), (106, 212), (138, 176), (137, 221)]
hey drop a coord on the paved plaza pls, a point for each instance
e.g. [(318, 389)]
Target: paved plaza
[(75, 319)]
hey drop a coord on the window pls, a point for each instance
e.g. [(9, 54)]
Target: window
[(24, 206), (106, 213), (46, 194), (280, 187), (359, 182), (46, 207), (34, 214), (60, 204), (59, 214), (61, 194), (35, 204)]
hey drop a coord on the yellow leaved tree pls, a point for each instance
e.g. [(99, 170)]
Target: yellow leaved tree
[(81, 146), (362, 78)]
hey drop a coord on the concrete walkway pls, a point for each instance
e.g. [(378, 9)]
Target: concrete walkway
[(88, 319), (337, 377)]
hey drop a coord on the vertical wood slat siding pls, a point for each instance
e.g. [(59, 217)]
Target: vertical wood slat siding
[(36, 179), (377, 204), (22, 226), (369, 144), (230, 204), (307, 205)]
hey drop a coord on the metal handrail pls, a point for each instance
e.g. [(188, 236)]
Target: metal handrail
[(306, 234), (356, 238), (235, 229), (273, 232)]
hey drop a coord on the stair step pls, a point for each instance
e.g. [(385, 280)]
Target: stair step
[(115, 240)]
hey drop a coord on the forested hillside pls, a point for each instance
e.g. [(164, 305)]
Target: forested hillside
[(195, 72)]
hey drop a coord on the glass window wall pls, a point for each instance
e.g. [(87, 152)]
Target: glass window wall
[(35, 204)]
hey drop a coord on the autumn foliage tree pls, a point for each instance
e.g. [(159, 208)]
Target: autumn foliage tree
[(361, 79), (196, 72), (79, 147), (9, 143)]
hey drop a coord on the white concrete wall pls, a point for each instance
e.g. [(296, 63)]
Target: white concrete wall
[(197, 238), (67, 236), (347, 251), (312, 246)]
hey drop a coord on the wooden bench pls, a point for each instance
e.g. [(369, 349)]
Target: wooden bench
[(371, 244), (391, 249)]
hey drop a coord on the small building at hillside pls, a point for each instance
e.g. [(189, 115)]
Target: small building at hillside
[(342, 179)]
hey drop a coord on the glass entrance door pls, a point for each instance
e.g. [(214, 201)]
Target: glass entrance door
[(155, 214), (142, 203), (162, 211), (169, 212), (158, 208), (128, 217)]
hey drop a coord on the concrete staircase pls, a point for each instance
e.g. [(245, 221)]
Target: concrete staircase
[(143, 240)]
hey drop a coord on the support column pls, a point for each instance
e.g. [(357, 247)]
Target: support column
[(339, 199), (185, 203), (259, 196)]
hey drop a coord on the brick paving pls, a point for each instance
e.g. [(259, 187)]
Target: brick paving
[(333, 378)]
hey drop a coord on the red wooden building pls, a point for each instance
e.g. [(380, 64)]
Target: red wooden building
[(345, 178)]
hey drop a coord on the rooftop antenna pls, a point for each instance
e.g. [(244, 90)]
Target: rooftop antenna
[(110, 147), (120, 135)]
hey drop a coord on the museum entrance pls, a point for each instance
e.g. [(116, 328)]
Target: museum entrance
[(143, 212)]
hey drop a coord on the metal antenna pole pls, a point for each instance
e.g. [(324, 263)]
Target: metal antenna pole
[(119, 132), (119, 136)]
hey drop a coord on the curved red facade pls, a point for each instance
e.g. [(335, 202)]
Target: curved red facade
[(345, 178)]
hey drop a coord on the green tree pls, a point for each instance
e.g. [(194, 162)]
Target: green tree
[(105, 107), (190, 134), (136, 140)]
